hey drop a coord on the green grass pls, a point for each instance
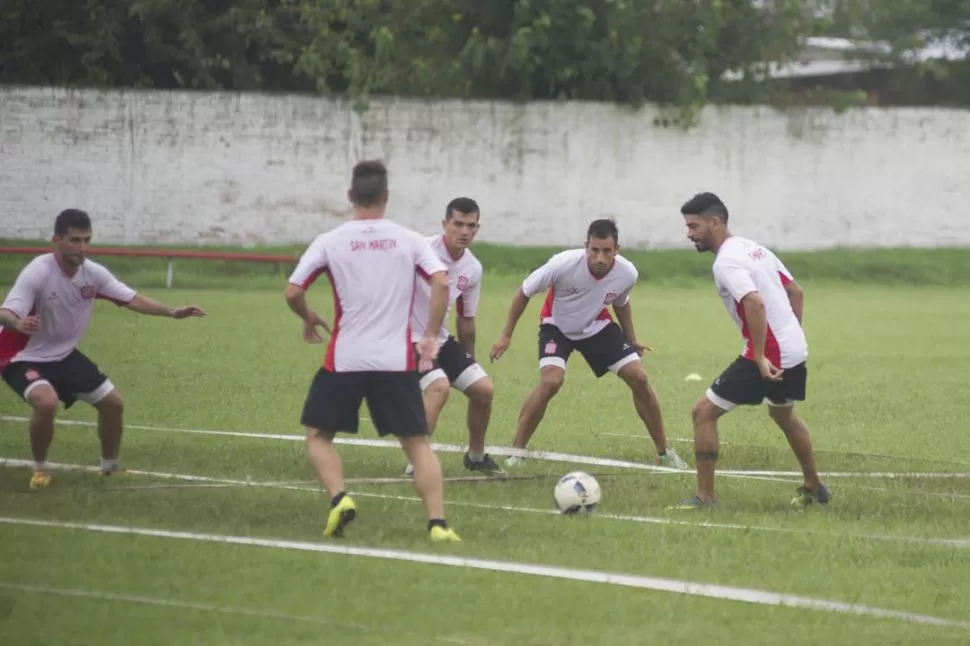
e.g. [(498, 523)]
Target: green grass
[(887, 392)]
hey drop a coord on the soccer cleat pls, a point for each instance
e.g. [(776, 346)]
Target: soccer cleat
[(486, 465), (340, 516), (672, 460), (693, 504), (409, 471), (514, 462), (114, 471), (804, 497), (40, 479), (439, 534)]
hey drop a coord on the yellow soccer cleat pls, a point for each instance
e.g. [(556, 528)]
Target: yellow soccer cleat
[(40, 479), (340, 516), (440, 534)]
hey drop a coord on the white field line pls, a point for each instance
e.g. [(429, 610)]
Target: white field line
[(207, 607), (650, 520), (711, 591), (536, 455)]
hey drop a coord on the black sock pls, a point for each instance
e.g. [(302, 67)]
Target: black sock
[(336, 499), (437, 522)]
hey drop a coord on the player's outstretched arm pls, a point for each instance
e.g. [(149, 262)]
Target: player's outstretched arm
[(144, 305), (624, 316), (519, 302)]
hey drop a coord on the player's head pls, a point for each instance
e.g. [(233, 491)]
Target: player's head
[(602, 245), (706, 218), (72, 236), (461, 222), (368, 185)]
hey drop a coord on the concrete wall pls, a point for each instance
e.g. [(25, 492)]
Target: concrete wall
[(173, 167)]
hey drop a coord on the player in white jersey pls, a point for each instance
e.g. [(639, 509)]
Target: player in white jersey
[(580, 284), (371, 263), (455, 365), (763, 299), (42, 320)]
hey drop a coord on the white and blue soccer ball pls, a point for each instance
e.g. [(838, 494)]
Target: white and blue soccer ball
[(577, 493)]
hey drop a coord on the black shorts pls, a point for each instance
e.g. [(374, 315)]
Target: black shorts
[(393, 398), (741, 384), (455, 364), (74, 377), (606, 350)]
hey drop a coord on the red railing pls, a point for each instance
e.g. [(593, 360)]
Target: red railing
[(169, 254)]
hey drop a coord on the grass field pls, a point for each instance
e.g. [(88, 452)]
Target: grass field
[(887, 394)]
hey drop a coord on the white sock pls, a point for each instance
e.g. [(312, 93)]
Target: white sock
[(476, 457), (40, 466), (109, 465)]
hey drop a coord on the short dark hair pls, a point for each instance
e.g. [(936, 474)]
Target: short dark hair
[(705, 204), (604, 228), (368, 184), (465, 205), (71, 219)]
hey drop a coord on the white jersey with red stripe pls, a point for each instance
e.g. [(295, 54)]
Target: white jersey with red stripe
[(576, 300), (743, 266), (371, 265), (464, 285), (63, 303)]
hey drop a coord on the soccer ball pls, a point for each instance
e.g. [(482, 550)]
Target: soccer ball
[(577, 492)]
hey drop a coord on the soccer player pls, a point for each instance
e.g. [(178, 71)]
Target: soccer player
[(580, 285), (42, 320), (456, 366), (766, 303), (371, 263)]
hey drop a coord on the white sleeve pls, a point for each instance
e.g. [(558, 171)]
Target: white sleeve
[(468, 300), (542, 278), (112, 289), (735, 277), (623, 299), (786, 276), (312, 263), (426, 261), (22, 296)]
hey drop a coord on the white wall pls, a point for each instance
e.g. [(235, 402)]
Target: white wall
[(173, 167)]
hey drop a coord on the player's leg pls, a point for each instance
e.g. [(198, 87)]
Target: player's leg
[(30, 382), (395, 404), (332, 404), (781, 407), (740, 384), (435, 389), (84, 380), (554, 351)]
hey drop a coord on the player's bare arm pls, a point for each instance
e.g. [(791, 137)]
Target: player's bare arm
[(519, 302), (465, 330), (295, 297), (27, 325), (428, 346), (145, 305), (624, 316), (796, 296), (757, 318)]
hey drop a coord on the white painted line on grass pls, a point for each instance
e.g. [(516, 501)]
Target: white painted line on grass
[(540, 455), (711, 591), (650, 520), (207, 607)]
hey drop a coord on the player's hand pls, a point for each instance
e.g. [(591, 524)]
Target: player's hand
[(427, 353), (769, 371), (310, 334), (187, 311), (500, 347), (640, 347), (28, 325)]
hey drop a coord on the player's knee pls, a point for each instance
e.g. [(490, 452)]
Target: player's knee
[(551, 381), (438, 389), (44, 401), (111, 403), (783, 416), (704, 411), (635, 377), (482, 391)]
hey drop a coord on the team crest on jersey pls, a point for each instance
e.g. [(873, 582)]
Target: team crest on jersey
[(462, 283), (88, 292), (610, 297), (551, 348)]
